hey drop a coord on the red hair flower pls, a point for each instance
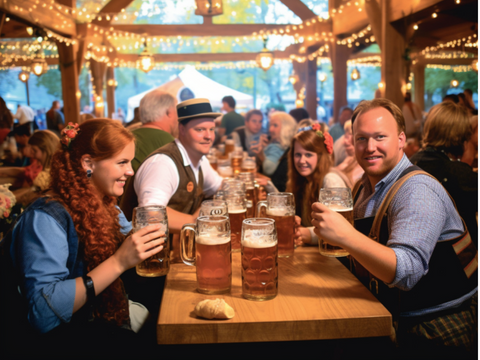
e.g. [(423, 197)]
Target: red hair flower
[(69, 133), (328, 141)]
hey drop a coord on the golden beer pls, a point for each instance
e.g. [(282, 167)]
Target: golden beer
[(229, 146), (236, 218), (259, 270), (158, 264), (214, 264), (236, 161), (285, 230), (325, 248)]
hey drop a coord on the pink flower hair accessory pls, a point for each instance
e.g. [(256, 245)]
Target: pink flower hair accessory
[(327, 138), (69, 133)]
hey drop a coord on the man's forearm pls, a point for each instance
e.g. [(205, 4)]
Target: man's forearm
[(176, 220)]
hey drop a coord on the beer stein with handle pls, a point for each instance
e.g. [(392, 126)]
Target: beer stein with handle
[(237, 212), (339, 200), (259, 259), (213, 256), (158, 264), (281, 208), (213, 207)]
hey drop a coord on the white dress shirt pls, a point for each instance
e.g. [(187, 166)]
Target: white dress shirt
[(24, 114), (157, 178)]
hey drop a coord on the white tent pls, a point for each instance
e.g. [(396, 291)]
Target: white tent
[(201, 87)]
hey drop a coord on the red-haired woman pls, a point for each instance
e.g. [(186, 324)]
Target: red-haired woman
[(68, 247), (309, 164)]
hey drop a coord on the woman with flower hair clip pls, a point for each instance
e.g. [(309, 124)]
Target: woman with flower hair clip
[(309, 169), (69, 249)]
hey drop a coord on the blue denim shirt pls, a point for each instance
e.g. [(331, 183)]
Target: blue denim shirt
[(40, 252)]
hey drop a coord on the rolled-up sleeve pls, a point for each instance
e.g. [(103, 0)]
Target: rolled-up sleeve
[(40, 253)]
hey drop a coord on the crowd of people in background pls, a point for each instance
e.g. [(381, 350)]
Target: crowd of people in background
[(72, 176)]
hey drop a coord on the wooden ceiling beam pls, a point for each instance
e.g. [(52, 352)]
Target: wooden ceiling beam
[(215, 30), (299, 9), (39, 15), (112, 7)]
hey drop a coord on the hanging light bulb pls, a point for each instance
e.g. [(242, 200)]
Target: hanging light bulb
[(355, 75), (293, 78), (454, 83), (146, 61), (30, 30), (475, 65), (322, 77), (24, 75), (265, 58), (38, 66)]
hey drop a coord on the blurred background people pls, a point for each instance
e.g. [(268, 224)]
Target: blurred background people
[(413, 116), (446, 131), (55, 118), (231, 119), (250, 134)]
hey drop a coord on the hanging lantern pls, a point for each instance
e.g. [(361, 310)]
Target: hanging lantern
[(265, 58), (146, 61), (322, 77), (38, 66), (208, 7), (24, 75), (475, 65), (293, 78), (355, 75), (299, 103), (454, 83)]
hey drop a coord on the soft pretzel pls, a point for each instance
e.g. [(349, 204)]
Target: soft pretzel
[(214, 309)]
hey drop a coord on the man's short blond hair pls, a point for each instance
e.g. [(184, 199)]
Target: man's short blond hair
[(366, 105)]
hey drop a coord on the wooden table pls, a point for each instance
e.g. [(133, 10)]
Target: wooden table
[(318, 298)]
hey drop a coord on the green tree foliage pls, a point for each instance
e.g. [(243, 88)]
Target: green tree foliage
[(52, 81), (437, 82)]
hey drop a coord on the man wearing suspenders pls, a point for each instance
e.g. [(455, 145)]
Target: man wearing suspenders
[(420, 259)]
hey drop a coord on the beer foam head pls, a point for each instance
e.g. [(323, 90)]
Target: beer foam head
[(212, 239), (258, 244), (339, 208), (280, 211), (236, 210)]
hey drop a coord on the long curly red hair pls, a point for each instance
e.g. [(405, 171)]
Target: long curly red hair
[(95, 218), (306, 191)]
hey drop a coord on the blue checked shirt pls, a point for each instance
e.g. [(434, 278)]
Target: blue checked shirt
[(420, 214)]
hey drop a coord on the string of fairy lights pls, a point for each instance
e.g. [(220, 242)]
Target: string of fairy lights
[(121, 41)]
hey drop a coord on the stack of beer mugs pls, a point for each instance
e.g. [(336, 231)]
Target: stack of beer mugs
[(213, 255), (259, 259), (236, 159), (281, 208), (212, 158), (248, 178), (249, 164)]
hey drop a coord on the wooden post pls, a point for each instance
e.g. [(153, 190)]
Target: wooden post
[(393, 64), (419, 87), (68, 68), (339, 55), (98, 74), (311, 88), (392, 45), (110, 91)]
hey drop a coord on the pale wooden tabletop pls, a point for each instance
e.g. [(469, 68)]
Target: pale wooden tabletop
[(318, 298)]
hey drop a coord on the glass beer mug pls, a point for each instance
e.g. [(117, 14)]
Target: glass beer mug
[(259, 259), (213, 207), (281, 208), (158, 264), (339, 200), (237, 212), (213, 256)]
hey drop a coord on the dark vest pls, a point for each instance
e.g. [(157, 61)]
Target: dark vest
[(183, 200), (243, 136), (451, 274)]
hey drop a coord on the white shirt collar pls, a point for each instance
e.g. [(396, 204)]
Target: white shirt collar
[(186, 158)]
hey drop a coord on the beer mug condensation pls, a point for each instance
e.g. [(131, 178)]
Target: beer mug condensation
[(281, 208), (237, 212), (259, 259), (339, 200), (213, 208), (213, 255), (158, 264)]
